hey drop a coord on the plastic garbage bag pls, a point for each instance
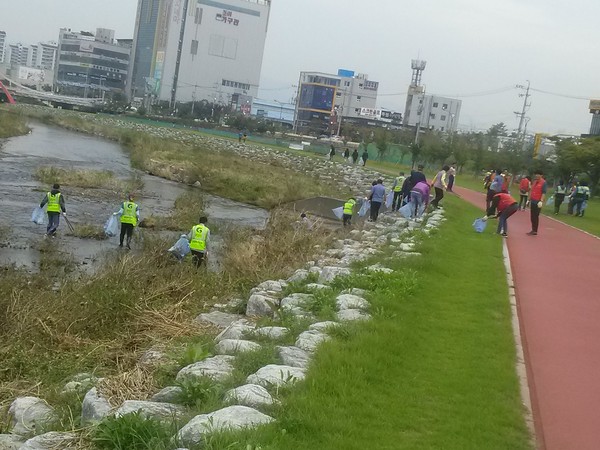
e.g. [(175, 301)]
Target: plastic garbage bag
[(181, 248), (550, 201), (364, 209), (38, 216), (389, 200), (479, 225), (111, 227), (584, 205), (421, 209), (338, 212), (406, 210)]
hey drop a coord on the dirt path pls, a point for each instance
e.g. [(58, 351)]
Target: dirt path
[(558, 294)]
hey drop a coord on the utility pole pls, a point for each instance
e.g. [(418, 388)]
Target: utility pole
[(526, 105)]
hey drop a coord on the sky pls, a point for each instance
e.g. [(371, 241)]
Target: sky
[(477, 50)]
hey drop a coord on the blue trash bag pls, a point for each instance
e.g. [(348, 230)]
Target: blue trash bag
[(38, 216), (111, 227), (406, 210), (550, 201), (389, 200), (364, 209), (338, 212), (181, 248), (479, 225)]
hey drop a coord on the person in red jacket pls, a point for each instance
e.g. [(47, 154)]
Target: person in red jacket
[(524, 187), (537, 196), (506, 206)]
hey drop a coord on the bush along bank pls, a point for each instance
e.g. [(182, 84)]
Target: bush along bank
[(12, 124), (235, 381)]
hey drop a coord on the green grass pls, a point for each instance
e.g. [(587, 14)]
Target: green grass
[(134, 432), (88, 178), (12, 124), (434, 369)]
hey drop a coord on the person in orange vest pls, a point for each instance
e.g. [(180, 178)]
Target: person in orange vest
[(524, 188), (506, 182), (506, 207), (538, 193)]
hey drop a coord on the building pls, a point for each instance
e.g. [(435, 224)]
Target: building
[(18, 55), (90, 65), (45, 56), (433, 112), (325, 100), (595, 111), (2, 46), (273, 110), (186, 50)]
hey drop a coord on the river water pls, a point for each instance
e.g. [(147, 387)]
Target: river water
[(20, 156)]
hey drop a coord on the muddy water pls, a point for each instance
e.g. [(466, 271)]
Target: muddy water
[(20, 239)]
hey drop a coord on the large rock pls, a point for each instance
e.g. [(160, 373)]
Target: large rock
[(293, 356), (251, 395), (218, 318), (237, 330), (233, 346), (261, 305), (270, 285), (348, 315), (94, 407), (272, 332), (218, 368), (299, 275), (323, 326), (349, 301), (28, 415), (153, 410), (169, 394), (230, 418), (296, 300), (276, 375), (310, 340), (52, 441), (10, 442), (329, 273)]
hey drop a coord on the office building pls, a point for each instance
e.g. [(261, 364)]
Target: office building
[(2, 46), (18, 55), (433, 112), (186, 50), (274, 111), (595, 111), (45, 55), (90, 65)]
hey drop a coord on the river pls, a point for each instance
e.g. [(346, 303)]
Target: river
[(46, 145)]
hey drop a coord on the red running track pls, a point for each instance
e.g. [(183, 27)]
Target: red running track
[(557, 284)]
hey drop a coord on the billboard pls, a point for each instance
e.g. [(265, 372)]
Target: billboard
[(318, 97), (594, 105), (33, 75), (370, 113)]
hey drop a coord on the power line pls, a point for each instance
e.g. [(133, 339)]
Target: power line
[(472, 94), (556, 94)]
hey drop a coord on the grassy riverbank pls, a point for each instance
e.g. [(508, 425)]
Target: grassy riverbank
[(183, 159), (434, 369), (12, 124)]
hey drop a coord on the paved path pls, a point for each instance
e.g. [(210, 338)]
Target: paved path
[(557, 283)]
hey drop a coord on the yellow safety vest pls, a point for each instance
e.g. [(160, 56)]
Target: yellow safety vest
[(53, 202), (399, 183), (199, 235), (129, 213), (349, 206)]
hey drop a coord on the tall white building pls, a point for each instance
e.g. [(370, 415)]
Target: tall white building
[(2, 45), (434, 113), (18, 55), (185, 50), (46, 55)]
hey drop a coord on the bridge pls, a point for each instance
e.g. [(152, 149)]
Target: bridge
[(16, 90)]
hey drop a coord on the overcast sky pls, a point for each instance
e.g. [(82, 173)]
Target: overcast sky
[(471, 47)]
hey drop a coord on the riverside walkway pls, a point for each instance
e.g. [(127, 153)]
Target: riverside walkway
[(557, 284)]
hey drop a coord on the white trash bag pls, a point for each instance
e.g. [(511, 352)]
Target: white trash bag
[(111, 227), (406, 210), (338, 212), (38, 216), (389, 200), (181, 248), (364, 209)]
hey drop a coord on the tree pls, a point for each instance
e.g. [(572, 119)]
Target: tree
[(382, 143), (581, 157)]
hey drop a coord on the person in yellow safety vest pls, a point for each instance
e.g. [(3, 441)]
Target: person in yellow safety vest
[(397, 188), (130, 216), (199, 237), (56, 203), (348, 210)]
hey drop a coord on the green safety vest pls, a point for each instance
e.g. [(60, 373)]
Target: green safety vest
[(199, 235), (53, 202), (349, 206), (129, 213), (399, 183)]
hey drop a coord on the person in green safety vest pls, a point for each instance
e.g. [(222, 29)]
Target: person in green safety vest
[(348, 211), (130, 217), (199, 237), (56, 203), (397, 188)]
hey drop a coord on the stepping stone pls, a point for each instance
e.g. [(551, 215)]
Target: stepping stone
[(350, 301), (237, 330), (52, 440), (94, 408), (310, 340), (233, 346), (251, 395), (169, 394), (218, 318), (294, 356), (323, 326), (348, 315), (296, 299), (29, 415), (217, 368), (329, 273), (10, 442), (153, 410), (276, 375), (299, 275), (316, 286), (226, 419), (261, 306), (272, 332)]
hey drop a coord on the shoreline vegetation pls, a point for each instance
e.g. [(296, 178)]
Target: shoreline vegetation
[(12, 124)]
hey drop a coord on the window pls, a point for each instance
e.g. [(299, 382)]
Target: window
[(198, 16), (358, 98), (432, 116), (442, 117), (338, 94), (360, 85), (346, 83), (445, 106), (435, 105), (442, 129), (194, 49), (357, 110)]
